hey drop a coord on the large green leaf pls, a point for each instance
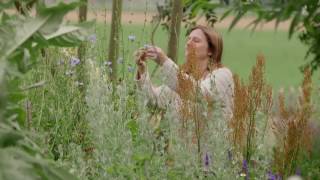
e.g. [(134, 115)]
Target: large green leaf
[(16, 164), (69, 35), (9, 137), (22, 32), (56, 11), (295, 21)]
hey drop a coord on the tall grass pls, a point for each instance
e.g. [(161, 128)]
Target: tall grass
[(124, 137)]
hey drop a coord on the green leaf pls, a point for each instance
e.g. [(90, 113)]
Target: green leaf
[(18, 165), (133, 127), (16, 96), (226, 14), (9, 138), (69, 35), (295, 21), (235, 20), (22, 33), (3, 65)]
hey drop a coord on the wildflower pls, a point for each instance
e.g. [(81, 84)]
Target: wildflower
[(130, 68), (206, 161), (298, 172), (132, 37), (271, 176), (107, 63), (77, 83), (74, 61), (120, 60), (92, 38), (69, 73), (147, 46), (245, 170)]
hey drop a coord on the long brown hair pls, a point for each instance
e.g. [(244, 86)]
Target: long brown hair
[(215, 45)]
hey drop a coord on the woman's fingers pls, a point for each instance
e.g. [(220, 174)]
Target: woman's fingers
[(151, 55), (151, 52)]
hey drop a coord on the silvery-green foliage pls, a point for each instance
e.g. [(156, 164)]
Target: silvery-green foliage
[(124, 146)]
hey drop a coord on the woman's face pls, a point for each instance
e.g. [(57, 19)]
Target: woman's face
[(198, 40)]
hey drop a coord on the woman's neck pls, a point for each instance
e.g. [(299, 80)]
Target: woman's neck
[(203, 67)]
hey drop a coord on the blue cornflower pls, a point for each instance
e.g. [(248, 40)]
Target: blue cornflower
[(132, 37), (74, 61), (92, 38), (107, 63), (130, 68), (271, 176)]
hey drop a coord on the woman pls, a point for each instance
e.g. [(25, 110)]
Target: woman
[(203, 69)]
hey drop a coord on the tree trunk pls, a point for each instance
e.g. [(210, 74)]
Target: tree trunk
[(114, 38), (176, 17), (82, 17)]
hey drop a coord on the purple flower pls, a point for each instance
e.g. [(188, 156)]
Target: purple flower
[(298, 171), (92, 38), (132, 37), (74, 61), (272, 176), (206, 161), (107, 63), (130, 68), (245, 169)]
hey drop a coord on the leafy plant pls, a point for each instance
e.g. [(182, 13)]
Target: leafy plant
[(22, 36)]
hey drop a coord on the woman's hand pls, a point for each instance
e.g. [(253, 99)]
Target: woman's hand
[(140, 61), (155, 53), (149, 52)]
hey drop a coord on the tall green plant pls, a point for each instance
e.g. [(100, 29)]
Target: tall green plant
[(21, 38)]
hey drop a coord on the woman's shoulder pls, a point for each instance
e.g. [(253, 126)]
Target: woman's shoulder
[(221, 72)]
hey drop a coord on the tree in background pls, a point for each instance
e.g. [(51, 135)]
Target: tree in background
[(81, 69), (175, 24), (113, 53), (303, 14)]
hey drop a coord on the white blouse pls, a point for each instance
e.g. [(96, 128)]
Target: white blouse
[(217, 86)]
